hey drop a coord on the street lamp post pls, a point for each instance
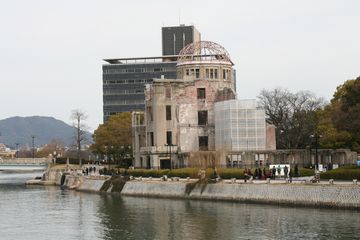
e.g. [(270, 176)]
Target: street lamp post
[(316, 137)]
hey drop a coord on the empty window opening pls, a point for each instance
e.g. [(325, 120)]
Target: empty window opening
[(201, 94), (169, 138), (203, 143), (168, 92), (197, 73), (168, 112), (151, 139), (202, 117)]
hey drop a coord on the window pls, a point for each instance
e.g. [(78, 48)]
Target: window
[(207, 73), (151, 138), (168, 112), (211, 73), (197, 73), (203, 143), (169, 138), (215, 73), (202, 118), (226, 74), (150, 113), (168, 92), (187, 72), (201, 94)]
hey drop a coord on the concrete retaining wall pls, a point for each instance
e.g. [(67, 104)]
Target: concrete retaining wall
[(156, 189), (330, 196), (293, 194), (341, 196), (92, 185)]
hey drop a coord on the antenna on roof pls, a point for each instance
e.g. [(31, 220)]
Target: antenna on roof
[(179, 16)]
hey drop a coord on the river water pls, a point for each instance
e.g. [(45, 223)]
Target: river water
[(36, 212)]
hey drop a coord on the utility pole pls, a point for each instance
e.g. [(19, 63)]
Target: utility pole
[(33, 146), (17, 149)]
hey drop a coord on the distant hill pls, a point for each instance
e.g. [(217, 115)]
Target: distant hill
[(20, 129)]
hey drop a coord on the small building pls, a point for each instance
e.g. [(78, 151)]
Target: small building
[(6, 152)]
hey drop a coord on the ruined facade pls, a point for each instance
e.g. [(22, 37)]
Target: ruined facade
[(179, 117)]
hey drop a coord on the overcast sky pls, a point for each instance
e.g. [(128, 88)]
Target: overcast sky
[(51, 51)]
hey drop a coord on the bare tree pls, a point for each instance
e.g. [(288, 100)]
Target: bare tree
[(293, 114), (78, 116)]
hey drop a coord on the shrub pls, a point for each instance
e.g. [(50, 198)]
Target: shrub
[(305, 172), (228, 173), (148, 172), (183, 173), (342, 174)]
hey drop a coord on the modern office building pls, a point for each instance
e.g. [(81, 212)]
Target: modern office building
[(124, 79), (176, 38)]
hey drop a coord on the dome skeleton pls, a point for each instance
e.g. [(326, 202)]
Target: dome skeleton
[(204, 51)]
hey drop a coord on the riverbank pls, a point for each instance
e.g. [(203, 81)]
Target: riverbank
[(299, 193)]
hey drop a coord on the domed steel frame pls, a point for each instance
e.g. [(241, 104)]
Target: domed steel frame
[(203, 51)]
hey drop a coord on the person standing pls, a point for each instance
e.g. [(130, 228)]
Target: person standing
[(273, 172), (296, 171), (245, 175), (290, 175), (279, 170), (260, 173), (286, 170)]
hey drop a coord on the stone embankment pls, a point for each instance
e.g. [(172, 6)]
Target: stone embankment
[(300, 193)]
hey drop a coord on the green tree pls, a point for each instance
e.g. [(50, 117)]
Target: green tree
[(340, 121), (113, 138)]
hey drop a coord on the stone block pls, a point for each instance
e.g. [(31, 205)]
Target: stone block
[(331, 181)]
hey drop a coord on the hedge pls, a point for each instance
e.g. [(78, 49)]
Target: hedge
[(225, 173), (345, 173)]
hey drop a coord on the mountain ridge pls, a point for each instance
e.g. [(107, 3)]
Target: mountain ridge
[(20, 130)]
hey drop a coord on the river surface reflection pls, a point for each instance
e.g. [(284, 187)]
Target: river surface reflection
[(35, 212)]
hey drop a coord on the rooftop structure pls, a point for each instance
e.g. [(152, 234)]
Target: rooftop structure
[(176, 38), (204, 52)]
